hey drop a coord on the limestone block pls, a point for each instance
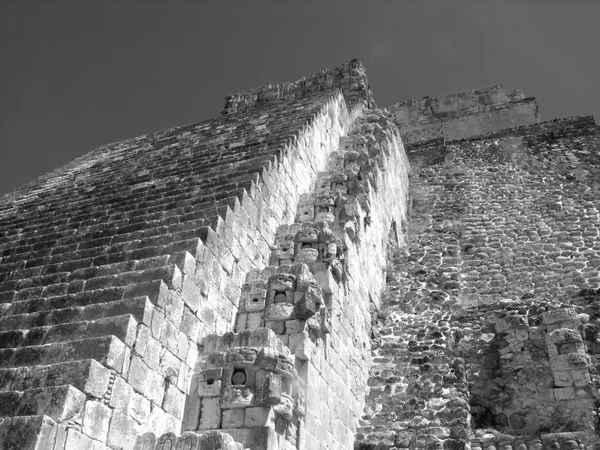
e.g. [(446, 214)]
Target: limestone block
[(325, 216), (307, 235), (237, 396), (306, 304), (96, 419), (210, 375), (121, 395), (233, 418), (210, 343), (563, 335), (268, 388), (191, 416), (278, 326), (216, 359), (242, 356), (307, 255), (562, 378), (268, 359), (188, 441), (263, 337), (547, 394), (581, 377), (279, 311), (324, 276), (241, 322), (207, 389), (210, 413), (259, 416), (254, 320), (167, 441), (558, 316), (254, 300), (75, 440), (146, 441), (281, 282), (285, 407), (122, 431), (60, 403), (566, 393), (301, 345), (521, 334), (295, 326)]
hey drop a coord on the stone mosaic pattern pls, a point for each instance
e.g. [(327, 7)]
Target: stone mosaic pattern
[(488, 326)]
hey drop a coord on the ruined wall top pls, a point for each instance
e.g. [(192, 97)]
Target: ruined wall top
[(350, 77), (457, 102)]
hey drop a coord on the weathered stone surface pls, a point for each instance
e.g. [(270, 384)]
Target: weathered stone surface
[(123, 275)]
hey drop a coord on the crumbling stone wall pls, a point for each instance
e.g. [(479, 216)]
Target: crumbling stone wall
[(503, 237), (463, 114)]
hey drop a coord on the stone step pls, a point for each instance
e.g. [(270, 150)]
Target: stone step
[(140, 307), (60, 278), (124, 327), (105, 288), (86, 375), (60, 403), (28, 432), (107, 350)]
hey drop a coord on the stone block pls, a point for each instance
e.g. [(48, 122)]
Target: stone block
[(123, 327), (259, 417), (188, 441), (167, 441), (60, 403), (207, 389), (294, 326), (76, 440), (254, 300), (174, 401), (96, 419), (566, 393), (27, 432), (254, 320), (581, 377), (278, 326), (191, 293), (236, 396), (123, 431), (233, 418), (139, 408), (121, 395), (279, 311), (562, 378), (210, 413), (146, 441)]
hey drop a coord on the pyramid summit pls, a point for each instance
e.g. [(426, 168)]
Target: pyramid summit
[(309, 271)]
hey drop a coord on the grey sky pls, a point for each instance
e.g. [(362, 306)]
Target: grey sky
[(76, 75)]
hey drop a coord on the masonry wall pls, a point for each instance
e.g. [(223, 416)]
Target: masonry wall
[(503, 234), (108, 282), (464, 124)]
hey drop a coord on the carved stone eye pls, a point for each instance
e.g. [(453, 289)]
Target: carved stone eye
[(238, 377)]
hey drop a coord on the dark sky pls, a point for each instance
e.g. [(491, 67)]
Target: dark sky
[(76, 75)]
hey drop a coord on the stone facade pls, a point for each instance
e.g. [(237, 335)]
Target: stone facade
[(289, 276)]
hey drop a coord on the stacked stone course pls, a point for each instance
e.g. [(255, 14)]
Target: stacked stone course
[(269, 280), (505, 222)]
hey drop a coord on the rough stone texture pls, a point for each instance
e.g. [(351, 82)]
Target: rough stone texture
[(463, 114), (486, 329), (222, 285)]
